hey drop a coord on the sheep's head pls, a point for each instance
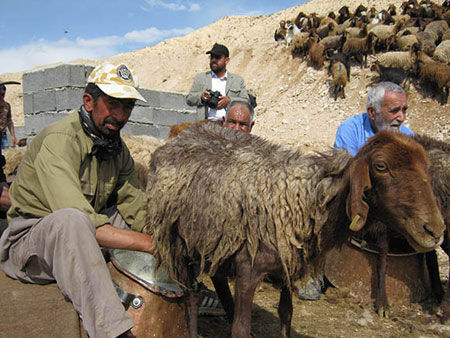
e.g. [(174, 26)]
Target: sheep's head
[(389, 182)]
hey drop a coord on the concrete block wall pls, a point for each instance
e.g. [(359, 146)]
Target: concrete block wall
[(50, 94)]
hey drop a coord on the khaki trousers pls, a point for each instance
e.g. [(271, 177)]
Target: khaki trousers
[(62, 247)]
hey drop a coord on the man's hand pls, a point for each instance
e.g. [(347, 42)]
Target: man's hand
[(206, 96), (223, 102), (5, 202)]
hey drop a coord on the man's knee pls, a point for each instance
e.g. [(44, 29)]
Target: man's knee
[(71, 221)]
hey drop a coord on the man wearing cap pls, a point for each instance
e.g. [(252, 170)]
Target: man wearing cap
[(229, 86), (76, 190)]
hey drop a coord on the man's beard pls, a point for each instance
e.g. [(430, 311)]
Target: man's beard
[(383, 124), (216, 68), (108, 133)]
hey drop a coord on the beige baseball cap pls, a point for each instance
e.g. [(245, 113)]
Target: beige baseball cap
[(117, 81)]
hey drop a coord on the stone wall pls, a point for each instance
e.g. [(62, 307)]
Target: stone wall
[(50, 94)]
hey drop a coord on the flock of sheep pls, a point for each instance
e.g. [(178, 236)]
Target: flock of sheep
[(410, 43)]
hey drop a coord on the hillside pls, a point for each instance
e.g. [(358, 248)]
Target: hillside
[(294, 104)]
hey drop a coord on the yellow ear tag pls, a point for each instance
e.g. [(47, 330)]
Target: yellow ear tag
[(355, 220)]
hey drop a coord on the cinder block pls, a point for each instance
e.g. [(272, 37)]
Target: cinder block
[(79, 75), (35, 123), (200, 114), (65, 76), (164, 117), (33, 82), (20, 132), (152, 97), (163, 132), (142, 114), (55, 77), (87, 71), (44, 101), (69, 98), (146, 129), (28, 103), (174, 101), (184, 116)]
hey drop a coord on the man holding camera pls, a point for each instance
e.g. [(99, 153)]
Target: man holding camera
[(212, 91)]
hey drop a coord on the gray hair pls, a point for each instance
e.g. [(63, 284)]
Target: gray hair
[(376, 94), (243, 103)]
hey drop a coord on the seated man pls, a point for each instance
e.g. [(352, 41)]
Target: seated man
[(76, 191), (386, 110)]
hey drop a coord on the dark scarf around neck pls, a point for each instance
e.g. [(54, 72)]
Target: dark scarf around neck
[(104, 148)]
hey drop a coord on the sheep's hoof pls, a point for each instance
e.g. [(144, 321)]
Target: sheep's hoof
[(384, 311), (445, 321), (445, 310)]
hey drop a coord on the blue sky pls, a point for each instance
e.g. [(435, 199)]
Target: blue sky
[(38, 32)]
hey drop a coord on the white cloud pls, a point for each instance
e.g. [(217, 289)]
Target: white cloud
[(194, 7), (173, 6), (44, 52), (153, 34), (105, 41)]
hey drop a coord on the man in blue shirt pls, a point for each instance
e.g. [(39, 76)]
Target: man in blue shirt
[(386, 110)]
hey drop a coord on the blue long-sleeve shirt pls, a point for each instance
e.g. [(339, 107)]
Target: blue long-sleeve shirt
[(354, 132)]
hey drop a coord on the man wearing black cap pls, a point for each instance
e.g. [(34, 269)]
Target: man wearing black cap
[(226, 85)]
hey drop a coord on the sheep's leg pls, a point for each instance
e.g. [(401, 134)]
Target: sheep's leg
[(191, 313), (225, 296), (285, 311), (245, 285), (433, 271), (381, 303), (445, 305), (444, 95), (360, 59)]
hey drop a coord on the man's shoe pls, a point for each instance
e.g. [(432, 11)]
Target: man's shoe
[(209, 303), (312, 289)]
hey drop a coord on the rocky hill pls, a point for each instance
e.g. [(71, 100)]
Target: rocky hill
[(294, 102)]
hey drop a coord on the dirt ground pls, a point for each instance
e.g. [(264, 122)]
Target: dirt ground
[(337, 314)]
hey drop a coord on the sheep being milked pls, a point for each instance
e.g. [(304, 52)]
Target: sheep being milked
[(226, 203)]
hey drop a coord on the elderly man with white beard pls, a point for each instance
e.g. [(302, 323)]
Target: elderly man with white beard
[(386, 110)]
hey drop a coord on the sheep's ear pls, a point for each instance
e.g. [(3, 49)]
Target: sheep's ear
[(357, 208)]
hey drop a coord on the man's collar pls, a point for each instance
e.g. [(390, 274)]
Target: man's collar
[(214, 75)]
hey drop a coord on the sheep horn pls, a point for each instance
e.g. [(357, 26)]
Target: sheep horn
[(353, 224)]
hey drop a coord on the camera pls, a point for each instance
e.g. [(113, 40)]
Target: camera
[(214, 100)]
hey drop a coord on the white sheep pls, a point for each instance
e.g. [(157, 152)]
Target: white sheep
[(442, 52)]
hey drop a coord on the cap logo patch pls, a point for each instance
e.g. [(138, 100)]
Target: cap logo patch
[(124, 73)]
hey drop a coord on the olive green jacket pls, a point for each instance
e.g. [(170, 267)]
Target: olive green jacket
[(58, 171)]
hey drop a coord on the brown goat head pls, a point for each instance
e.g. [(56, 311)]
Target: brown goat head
[(398, 168)]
